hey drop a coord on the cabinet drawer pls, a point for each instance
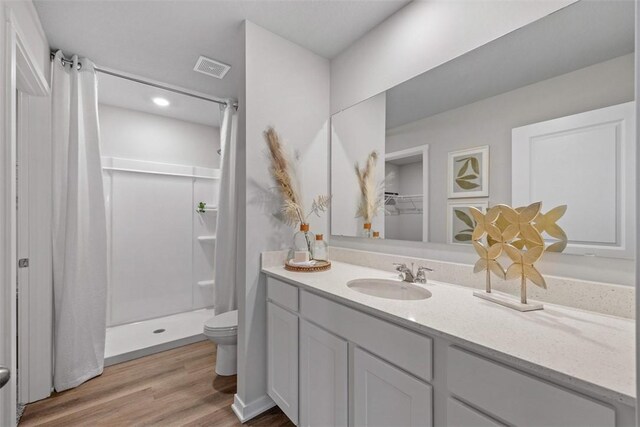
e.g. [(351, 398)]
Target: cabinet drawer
[(282, 293), (518, 398), (405, 349), (461, 415)]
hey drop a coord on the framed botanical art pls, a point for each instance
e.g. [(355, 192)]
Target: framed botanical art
[(468, 173), (460, 223)]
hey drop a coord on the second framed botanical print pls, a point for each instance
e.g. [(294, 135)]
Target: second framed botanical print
[(460, 222)]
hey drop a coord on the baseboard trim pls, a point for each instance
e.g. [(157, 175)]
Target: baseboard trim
[(245, 412)]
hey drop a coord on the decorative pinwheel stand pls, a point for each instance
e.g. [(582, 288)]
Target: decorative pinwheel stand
[(517, 233)]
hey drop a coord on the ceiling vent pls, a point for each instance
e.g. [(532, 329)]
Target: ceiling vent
[(211, 68)]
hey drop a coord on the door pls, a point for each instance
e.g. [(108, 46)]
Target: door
[(602, 140), (22, 73), (324, 360), (383, 395), (34, 259), (22, 238), (282, 359)]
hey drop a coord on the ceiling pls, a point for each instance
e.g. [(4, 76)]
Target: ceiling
[(162, 40), (582, 34), (119, 92)]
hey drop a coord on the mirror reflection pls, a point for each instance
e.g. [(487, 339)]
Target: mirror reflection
[(545, 113)]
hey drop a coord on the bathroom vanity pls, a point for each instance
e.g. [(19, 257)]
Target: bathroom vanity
[(339, 357), (543, 116)]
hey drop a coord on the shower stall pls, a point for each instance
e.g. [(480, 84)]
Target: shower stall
[(158, 166)]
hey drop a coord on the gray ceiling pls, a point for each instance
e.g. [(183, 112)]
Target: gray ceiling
[(162, 40), (575, 37)]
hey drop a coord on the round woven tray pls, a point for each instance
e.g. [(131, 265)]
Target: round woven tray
[(320, 266)]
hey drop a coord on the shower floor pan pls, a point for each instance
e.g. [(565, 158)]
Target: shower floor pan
[(134, 340)]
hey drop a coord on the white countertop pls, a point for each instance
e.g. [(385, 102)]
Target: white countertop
[(590, 351)]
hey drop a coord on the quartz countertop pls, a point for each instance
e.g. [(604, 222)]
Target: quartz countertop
[(589, 351)]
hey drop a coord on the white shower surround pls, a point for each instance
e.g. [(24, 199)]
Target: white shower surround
[(161, 250)]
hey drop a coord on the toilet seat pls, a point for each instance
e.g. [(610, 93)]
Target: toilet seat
[(225, 324)]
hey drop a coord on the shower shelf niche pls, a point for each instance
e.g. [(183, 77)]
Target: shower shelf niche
[(205, 283), (200, 211), (207, 238)]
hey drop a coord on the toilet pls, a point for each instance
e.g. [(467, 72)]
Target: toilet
[(223, 330)]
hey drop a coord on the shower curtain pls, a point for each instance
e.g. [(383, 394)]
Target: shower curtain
[(225, 254), (79, 226)]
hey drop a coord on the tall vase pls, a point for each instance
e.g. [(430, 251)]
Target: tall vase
[(303, 240), (366, 230)]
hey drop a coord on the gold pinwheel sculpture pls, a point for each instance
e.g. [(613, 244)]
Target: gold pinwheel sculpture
[(485, 222), (547, 223), (518, 234), (488, 262), (523, 268), (521, 223)]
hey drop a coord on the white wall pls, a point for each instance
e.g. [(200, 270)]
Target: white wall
[(30, 26), (136, 135), (355, 133), (421, 36), (490, 121), (637, 271), (287, 87)]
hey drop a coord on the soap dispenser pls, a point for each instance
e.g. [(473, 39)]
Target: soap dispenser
[(320, 252)]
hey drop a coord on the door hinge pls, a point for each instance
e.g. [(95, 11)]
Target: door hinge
[(23, 263)]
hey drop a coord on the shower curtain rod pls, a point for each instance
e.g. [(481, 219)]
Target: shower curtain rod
[(99, 69)]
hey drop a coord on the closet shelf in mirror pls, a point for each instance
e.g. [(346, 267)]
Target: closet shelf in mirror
[(398, 204), (207, 238)]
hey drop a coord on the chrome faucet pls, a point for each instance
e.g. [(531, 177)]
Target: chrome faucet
[(406, 273)]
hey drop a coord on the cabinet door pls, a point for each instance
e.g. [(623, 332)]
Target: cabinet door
[(324, 360), (386, 396), (282, 359)]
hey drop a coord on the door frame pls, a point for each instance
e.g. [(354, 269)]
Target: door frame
[(22, 74), (423, 151)]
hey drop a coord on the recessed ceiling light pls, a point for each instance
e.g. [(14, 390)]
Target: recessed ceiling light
[(161, 102)]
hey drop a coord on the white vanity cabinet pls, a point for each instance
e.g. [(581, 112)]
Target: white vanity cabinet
[(324, 366), (330, 364), (382, 380), (282, 359)]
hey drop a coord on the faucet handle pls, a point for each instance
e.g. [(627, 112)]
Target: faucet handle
[(421, 276), (399, 266)]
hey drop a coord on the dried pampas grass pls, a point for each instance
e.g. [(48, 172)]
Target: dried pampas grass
[(284, 175), (371, 193)]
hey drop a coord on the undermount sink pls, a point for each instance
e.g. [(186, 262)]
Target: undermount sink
[(390, 289)]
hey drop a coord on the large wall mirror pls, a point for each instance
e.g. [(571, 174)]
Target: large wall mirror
[(545, 113)]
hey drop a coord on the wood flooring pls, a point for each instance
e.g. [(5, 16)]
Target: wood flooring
[(178, 387)]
